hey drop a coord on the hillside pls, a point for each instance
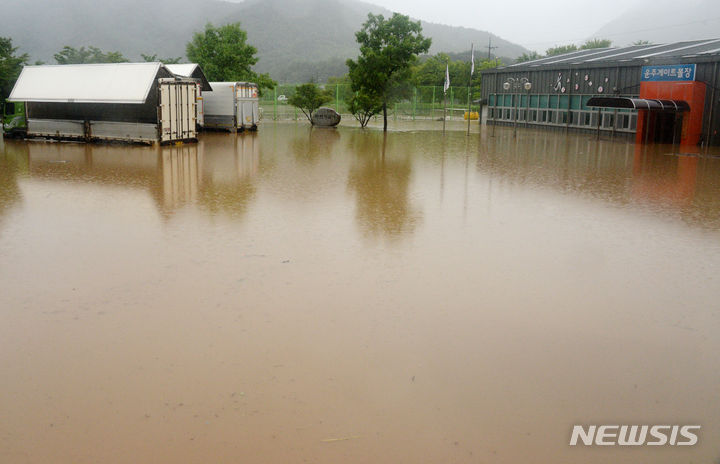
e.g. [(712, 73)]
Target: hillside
[(664, 21), (294, 44)]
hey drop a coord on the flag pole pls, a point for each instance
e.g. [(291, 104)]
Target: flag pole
[(472, 70), (468, 114), (446, 86), (444, 109)]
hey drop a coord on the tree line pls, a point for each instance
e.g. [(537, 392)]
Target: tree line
[(392, 60), (562, 49), (222, 52)]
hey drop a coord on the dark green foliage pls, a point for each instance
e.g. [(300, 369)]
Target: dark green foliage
[(154, 58), (308, 98), (561, 50), (224, 55), (529, 56), (70, 55), (364, 106), (10, 66), (596, 43), (592, 43), (388, 49), (431, 72)]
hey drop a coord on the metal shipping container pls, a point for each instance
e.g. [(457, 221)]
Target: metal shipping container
[(232, 106), (177, 110)]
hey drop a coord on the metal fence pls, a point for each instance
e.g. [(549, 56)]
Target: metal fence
[(425, 102)]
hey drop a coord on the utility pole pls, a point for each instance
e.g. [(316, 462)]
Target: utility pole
[(490, 47)]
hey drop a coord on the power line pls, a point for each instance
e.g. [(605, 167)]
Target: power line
[(490, 47)]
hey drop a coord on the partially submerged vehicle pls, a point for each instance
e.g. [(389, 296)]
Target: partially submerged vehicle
[(232, 106), (131, 102)]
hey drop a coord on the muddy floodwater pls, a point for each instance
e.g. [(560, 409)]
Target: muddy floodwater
[(341, 296)]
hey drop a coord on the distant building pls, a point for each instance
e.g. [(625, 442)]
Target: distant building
[(661, 93)]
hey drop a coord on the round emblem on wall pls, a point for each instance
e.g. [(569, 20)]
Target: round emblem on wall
[(600, 89)]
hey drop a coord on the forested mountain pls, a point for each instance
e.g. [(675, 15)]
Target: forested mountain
[(296, 39)]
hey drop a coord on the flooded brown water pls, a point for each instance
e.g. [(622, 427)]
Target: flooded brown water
[(337, 296)]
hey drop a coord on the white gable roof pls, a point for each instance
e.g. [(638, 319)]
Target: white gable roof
[(86, 83), (183, 70)]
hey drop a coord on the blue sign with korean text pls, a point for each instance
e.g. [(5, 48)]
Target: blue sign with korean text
[(668, 73)]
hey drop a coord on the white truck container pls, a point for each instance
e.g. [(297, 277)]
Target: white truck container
[(232, 106), (178, 99)]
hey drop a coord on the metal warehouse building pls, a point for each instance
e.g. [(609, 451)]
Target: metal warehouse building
[(660, 93)]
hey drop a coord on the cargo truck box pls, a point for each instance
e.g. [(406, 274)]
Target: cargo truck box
[(232, 106)]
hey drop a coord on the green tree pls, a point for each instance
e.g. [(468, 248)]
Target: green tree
[(642, 42), (154, 58), (561, 50), (364, 106), (224, 55), (530, 56), (388, 49), (308, 98), (431, 72), (596, 43), (10, 66), (70, 55)]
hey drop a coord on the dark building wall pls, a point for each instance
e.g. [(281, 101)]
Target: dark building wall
[(120, 112), (623, 79), (559, 95)]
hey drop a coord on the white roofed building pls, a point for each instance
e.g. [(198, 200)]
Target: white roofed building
[(193, 71), (138, 102)]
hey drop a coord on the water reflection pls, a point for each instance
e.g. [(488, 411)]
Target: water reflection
[(13, 163), (687, 183), (381, 184), (217, 173), (231, 164), (612, 171), (496, 289), (314, 143)]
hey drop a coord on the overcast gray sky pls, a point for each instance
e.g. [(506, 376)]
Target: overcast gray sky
[(535, 24)]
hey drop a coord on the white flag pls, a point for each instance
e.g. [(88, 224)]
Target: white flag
[(447, 78), (472, 59)]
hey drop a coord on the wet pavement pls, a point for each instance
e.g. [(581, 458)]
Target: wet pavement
[(341, 295)]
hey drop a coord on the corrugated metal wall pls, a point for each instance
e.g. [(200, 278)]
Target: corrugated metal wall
[(621, 79)]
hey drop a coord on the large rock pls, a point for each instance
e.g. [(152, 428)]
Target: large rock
[(326, 117)]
